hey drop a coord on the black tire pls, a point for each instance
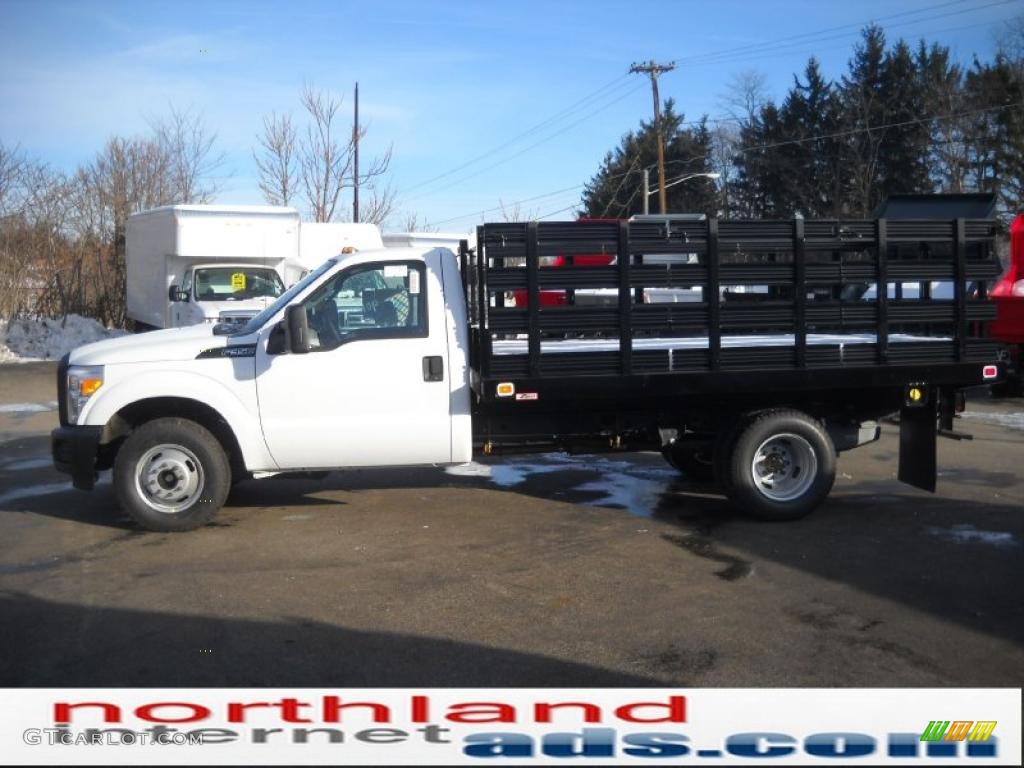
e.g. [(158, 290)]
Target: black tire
[(693, 459), (804, 454), (723, 449), (194, 464)]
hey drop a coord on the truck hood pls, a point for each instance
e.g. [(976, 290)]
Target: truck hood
[(173, 344)]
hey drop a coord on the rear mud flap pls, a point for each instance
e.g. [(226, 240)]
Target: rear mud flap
[(917, 447)]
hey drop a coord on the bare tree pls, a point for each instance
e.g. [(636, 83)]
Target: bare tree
[(189, 146), (325, 159), (380, 206), (1010, 43), (127, 176), (725, 141), (326, 162), (745, 94), (276, 159), (515, 212), (411, 222), (12, 169)]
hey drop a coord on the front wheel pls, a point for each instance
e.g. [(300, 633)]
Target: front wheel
[(782, 466), (171, 475)]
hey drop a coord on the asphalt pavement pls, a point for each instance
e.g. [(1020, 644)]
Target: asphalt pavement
[(547, 570)]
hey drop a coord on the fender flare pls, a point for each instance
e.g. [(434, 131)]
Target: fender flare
[(190, 386)]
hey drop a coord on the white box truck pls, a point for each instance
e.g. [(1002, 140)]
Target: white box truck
[(189, 264), (428, 239), (321, 241)]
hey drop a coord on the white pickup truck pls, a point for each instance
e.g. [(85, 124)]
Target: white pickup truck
[(409, 356)]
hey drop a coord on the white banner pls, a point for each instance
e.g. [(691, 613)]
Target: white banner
[(518, 726)]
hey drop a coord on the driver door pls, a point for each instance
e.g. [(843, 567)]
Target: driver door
[(365, 395)]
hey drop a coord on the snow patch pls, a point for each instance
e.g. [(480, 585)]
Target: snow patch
[(31, 339), (968, 534), (44, 489), (470, 469), (19, 465), (27, 407), (1011, 420), (621, 483), (636, 494)]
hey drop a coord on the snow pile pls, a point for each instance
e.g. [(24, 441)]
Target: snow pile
[(1011, 420), (47, 338)]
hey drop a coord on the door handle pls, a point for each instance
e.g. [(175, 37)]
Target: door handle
[(433, 368)]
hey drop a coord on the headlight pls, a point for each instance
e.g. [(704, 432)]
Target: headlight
[(83, 381)]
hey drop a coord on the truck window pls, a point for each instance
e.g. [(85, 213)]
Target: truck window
[(369, 301), (236, 283)]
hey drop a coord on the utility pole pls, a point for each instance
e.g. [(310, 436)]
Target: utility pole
[(355, 160), (647, 191), (653, 70)]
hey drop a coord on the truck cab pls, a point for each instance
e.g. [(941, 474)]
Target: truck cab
[(361, 363), (223, 293)]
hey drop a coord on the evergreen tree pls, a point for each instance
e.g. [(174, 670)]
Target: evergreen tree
[(616, 189), (863, 108), (903, 153)]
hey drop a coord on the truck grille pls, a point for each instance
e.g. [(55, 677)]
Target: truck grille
[(236, 318)]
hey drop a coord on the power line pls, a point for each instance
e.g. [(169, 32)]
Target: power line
[(515, 139), (526, 149), (827, 34), (560, 210), (818, 49), (500, 207), (703, 59), (854, 131), (632, 167), (745, 150)]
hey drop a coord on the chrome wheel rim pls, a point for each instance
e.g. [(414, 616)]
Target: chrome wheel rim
[(169, 478), (784, 467)]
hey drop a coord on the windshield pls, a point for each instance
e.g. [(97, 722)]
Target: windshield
[(235, 283), (257, 322)]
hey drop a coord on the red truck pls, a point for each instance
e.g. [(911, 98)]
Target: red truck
[(1008, 327)]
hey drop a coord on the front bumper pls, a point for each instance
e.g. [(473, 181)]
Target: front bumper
[(74, 452)]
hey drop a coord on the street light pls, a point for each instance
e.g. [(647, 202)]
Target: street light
[(647, 184)]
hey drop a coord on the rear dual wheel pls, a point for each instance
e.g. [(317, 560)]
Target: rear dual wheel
[(777, 465), (693, 459)]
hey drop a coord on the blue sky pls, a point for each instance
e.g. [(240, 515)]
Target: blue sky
[(444, 82)]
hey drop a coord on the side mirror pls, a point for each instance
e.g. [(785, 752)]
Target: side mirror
[(296, 328), (176, 294)]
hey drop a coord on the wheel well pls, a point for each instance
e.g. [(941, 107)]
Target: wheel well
[(135, 414)]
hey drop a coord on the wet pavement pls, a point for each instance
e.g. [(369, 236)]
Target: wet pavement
[(540, 570)]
